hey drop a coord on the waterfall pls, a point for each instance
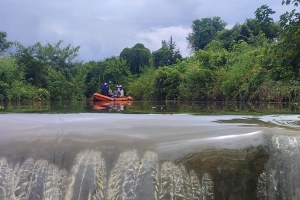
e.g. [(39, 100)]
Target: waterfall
[(281, 179), (133, 177)]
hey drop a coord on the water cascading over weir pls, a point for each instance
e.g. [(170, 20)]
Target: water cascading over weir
[(143, 176), (185, 160), (131, 177)]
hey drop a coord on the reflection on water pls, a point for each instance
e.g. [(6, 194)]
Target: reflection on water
[(92, 156), (151, 107), (110, 106)]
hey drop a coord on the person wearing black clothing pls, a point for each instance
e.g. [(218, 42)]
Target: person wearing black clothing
[(104, 88)]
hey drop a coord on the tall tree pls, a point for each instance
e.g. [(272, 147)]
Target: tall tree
[(287, 2), (4, 44), (136, 57), (265, 23), (116, 71), (50, 67), (263, 14), (229, 36), (248, 29), (35, 72), (289, 43), (55, 57), (167, 54), (203, 31)]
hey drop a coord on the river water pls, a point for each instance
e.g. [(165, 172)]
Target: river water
[(149, 151)]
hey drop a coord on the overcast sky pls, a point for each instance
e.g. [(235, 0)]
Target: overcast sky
[(103, 28)]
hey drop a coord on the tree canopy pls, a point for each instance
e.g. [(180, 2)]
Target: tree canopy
[(257, 60), (203, 31), (167, 54), (4, 44), (137, 57)]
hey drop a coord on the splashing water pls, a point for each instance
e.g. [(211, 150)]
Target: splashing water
[(281, 180), (132, 177)]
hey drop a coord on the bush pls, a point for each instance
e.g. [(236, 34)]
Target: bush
[(42, 94), (20, 91), (142, 88), (166, 83), (196, 83)]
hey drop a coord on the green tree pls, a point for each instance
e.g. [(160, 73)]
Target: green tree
[(142, 88), (59, 87), (78, 81), (8, 74), (196, 82), (136, 57), (35, 72), (287, 2), (289, 42), (229, 36), (117, 71), (4, 44), (253, 27), (265, 22), (245, 69), (166, 55), (56, 57), (113, 70), (94, 76), (204, 31), (213, 56), (166, 83), (12, 84), (248, 29), (49, 66)]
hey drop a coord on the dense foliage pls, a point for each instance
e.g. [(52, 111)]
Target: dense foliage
[(166, 55), (136, 57), (258, 60), (204, 31)]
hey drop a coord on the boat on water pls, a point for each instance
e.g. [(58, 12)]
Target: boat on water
[(101, 97)]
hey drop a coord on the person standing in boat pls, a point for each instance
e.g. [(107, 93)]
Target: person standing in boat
[(104, 88), (121, 91)]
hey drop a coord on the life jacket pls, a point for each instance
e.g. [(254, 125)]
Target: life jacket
[(103, 86)]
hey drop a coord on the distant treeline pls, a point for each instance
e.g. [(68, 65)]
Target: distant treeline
[(258, 60)]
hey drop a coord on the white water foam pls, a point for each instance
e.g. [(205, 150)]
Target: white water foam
[(132, 178)]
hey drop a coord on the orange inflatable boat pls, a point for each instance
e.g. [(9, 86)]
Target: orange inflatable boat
[(101, 97)]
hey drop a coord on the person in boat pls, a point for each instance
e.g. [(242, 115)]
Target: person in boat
[(109, 93), (104, 88), (117, 93), (121, 91)]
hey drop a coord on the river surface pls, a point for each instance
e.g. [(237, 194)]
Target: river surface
[(149, 151)]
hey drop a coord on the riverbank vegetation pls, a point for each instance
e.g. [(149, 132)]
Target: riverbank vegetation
[(258, 60)]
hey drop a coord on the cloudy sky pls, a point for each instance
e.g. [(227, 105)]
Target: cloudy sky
[(103, 28)]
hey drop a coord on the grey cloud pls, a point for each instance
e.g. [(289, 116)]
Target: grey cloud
[(104, 27)]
